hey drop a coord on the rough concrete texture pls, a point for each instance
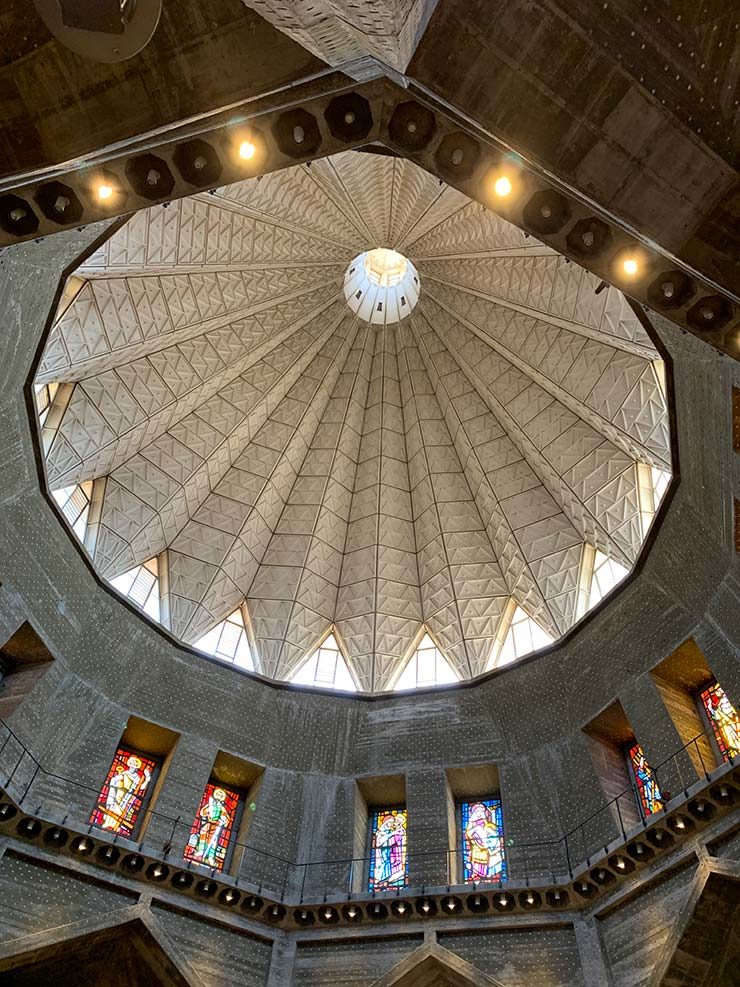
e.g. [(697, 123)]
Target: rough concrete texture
[(522, 957), (634, 934), (527, 719)]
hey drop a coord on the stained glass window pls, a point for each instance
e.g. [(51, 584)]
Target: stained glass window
[(74, 502), (124, 792), (647, 787), (141, 586), (482, 826), (228, 641), (724, 719), (388, 851), (214, 826), (427, 666), (326, 668)]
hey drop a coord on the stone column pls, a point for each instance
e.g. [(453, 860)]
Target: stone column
[(657, 735), (272, 838), (721, 645), (282, 962), (591, 953), (429, 838), (177, 800)]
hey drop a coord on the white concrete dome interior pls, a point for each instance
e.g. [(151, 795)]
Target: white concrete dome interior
[(258, 463)]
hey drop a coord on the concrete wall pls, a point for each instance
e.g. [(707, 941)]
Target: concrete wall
[(527, 719)]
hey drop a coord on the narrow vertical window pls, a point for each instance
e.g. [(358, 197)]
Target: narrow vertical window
[(216, 822), (125, 792), (74, 502), (388, 850), (724, 720), (661, 480), (44, 397), (482, 828), (646, 784), (141, 586)]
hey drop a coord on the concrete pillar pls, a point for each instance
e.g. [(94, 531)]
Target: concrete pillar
[(326, 839), (12, 614), (532, 826), (591, 953), (720, 645), (577, 774), (657, 735), (179, 795), (282, 962), (272, 839), (72, 772), (429, 837)]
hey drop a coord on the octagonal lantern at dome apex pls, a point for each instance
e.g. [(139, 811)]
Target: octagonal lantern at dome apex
[(381, 286), (278, 452)]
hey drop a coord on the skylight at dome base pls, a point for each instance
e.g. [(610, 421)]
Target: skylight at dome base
[(381, 286)]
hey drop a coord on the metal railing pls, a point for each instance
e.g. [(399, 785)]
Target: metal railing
[(550, 861)]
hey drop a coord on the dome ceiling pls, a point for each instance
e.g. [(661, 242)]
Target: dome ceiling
[(244, 426)]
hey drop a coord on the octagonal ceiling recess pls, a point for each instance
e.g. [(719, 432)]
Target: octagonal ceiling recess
[(266, 444), (381, 286)]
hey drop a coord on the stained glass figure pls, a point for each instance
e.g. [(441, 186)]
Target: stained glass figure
[(388, 853), (724, 719), (213, 827), (123, 793), (648, 791), (482, 827)]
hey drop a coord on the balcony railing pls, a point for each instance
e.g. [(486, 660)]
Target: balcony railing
[(554, 861)]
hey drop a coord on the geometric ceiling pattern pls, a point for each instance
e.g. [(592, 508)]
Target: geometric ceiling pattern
[(342, 31), (274, 452)]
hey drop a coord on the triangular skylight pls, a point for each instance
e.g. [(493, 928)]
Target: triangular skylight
[(228, 641), (74, 502), (607, 573), (140, 585), (427, 666), (326, 668), (522, 638)]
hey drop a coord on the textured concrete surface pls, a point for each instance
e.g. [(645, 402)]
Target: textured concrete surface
[(633, 104), (528, 719)]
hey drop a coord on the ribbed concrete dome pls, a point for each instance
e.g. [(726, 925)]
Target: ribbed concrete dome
[(244, 426)]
